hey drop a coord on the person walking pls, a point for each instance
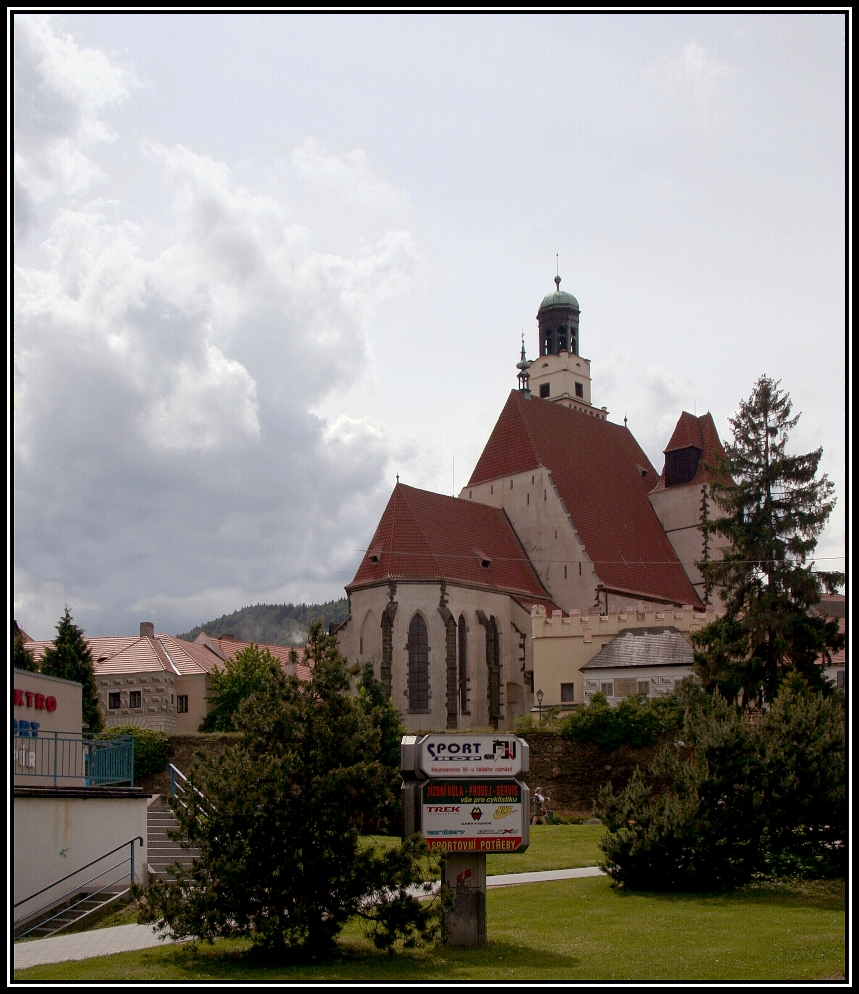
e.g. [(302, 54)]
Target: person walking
[(540, 808)]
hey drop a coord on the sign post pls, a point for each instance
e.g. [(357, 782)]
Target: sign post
[(463, 795)]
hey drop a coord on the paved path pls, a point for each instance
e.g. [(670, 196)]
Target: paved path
[(122, 938)]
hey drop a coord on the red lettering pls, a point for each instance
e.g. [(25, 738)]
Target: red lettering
[(50, 704), (40, 702), (29, 695), (18, 698)]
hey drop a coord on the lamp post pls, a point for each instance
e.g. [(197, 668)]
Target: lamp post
[(540, 704)]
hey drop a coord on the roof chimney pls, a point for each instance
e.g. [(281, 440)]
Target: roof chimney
[(147, 630), (227, 637)]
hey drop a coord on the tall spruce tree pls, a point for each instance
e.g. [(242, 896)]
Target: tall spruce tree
[(773, 516), (70, 659)]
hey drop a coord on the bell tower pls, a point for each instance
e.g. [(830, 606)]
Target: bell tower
[(561, 374)]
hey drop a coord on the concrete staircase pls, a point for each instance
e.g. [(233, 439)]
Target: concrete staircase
[(83, 911), (163, 850)]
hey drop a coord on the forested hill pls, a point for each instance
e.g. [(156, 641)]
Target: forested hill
[(276, 624)]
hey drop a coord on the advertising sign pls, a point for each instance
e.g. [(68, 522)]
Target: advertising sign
[(476, 816), (498, 755)]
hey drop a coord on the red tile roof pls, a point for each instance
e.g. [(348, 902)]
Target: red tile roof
[(699, 433), (141, 654), (603, 477), (230, 648), (423, 535)]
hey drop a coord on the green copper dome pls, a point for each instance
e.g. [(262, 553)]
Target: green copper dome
[(559, 298)]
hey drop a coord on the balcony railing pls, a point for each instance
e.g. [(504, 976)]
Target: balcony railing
[(64, 759)]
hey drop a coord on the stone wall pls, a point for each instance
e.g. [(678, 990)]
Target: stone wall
[(181, 753), (571, 773)]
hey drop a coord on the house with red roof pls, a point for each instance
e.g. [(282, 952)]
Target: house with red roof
[(158, 681), (563, 512)]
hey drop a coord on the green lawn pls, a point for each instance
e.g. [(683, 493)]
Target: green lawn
[(573, 930), (553, 847)]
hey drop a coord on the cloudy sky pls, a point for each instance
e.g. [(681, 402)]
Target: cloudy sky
[(265, 263)]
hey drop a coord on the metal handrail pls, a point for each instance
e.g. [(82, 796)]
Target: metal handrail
[(64, 756), (64, 909), (92, 862), (177, 789)]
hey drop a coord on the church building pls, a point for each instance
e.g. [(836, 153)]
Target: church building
[(563, 514)]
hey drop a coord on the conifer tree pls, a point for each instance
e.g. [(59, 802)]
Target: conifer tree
[(70, 659), (278, 816), (773, 515), (22, 658)]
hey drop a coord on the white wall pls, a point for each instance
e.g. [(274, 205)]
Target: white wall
[(58, 835)]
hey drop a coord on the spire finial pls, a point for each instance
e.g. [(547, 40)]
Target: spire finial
[(398, 477)]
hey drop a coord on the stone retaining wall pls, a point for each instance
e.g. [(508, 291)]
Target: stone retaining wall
[(571, 773)]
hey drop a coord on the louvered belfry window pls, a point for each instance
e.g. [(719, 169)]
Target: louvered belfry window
[(418, 665)]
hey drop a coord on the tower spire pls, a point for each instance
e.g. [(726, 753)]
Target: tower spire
[(523, 375)]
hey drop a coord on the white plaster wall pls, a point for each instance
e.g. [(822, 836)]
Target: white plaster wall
[(679, 513), (425, 598), (55, 836), (561, 646), (663, 679), (547, 533)]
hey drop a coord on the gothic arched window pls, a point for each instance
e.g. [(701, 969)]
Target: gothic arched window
[(418, 665)]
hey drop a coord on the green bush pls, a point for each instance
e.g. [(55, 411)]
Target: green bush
[(731, 801), (636, 721), (150, 747)]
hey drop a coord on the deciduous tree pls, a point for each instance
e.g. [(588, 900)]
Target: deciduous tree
[(252, 670)]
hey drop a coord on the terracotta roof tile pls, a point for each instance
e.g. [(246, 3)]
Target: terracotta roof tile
[(232, 647), (603, 477), (142, 655), (423, 535), (699, 433)]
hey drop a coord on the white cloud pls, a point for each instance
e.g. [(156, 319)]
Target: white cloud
[(62, 92), (165, 453), (349, 175), (690, 84), (42, 604)]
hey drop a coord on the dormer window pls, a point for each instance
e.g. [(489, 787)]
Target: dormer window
[(483, 559), (375, 554)]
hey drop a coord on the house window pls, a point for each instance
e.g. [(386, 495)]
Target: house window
[(418, 648), (839, 678), (114, 702), (544, 389), (565, 572), (644, 687), (182, 704), (567, 693), (580, 391), (135, 699), (607, 688)]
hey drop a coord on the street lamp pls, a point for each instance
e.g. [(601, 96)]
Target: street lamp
[(540, 704)]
